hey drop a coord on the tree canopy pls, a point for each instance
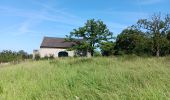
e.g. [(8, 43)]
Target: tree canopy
[(93, 33), (131, 41), (8, 56), (157, 27), (147, 37), (107, 48)]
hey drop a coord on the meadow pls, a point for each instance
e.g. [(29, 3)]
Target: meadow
[(101, 78)]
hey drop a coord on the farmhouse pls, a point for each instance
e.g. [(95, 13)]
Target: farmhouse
[(57, 47)]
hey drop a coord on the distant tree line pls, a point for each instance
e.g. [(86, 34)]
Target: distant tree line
[(12, 56), (148, 37)]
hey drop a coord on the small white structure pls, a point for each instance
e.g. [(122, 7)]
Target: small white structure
[(57, 47)]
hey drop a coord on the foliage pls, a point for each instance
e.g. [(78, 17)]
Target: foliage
[(168, 35), (37, 57), (157, 29), (97, 53), (93, 33), (148, 37), (105, 78), (107, 48), (80, 53), (24, 54), (9, 56), (50, 57), (132, 41)]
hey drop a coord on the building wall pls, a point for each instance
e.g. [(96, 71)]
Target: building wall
[(53, 51)]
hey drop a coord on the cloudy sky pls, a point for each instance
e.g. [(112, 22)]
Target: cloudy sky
[(23, 23)]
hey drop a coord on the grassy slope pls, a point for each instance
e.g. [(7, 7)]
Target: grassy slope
[(88, 79)]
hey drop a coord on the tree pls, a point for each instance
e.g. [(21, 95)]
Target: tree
[(8, 56), (97, 53), (23, 54), (93, 33), (131, 41), (157, 28), (107, 48), (168, 35), (168, 38), (12, 56)]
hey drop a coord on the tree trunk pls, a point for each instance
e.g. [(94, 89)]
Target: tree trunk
[(157, 51), (92, 48), (92, 53), (157, 43)]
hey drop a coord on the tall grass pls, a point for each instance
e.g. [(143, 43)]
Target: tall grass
[(121, 78)]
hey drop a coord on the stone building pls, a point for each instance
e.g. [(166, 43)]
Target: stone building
[(57, 47)]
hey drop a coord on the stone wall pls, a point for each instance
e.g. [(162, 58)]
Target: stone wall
[(53, 51)]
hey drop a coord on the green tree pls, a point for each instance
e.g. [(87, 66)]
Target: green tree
[(97, 53), (168, 35), (93, 33), (12, 56), (131, 41), (168, 38), (8, 56), (23, 54), (107, 48), (157, 27)]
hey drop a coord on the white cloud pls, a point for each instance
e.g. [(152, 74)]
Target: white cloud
[(48, 13), (34, 18)]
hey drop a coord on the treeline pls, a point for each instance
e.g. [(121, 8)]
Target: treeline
[(133, 41), (12, 56), (148, 37)]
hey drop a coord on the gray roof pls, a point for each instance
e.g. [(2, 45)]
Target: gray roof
[(52, 42)]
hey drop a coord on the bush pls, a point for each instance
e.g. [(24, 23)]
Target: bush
[(37, 57), (8, 56), (50, 57), (12, 56), (97, 53), (107, 48)]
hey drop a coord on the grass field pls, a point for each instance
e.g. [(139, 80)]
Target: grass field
[(114, 78)]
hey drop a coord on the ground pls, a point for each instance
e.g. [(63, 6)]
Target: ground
[(113, 78)]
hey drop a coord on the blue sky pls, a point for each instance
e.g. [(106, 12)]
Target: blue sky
[(23, 23)]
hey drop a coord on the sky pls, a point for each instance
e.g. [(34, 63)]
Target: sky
[(24, 23)]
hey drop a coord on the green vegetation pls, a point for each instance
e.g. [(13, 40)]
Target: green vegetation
[(12, 56), (112, 78), (94, 32), (157, 29), (126, 77), (148, 37)]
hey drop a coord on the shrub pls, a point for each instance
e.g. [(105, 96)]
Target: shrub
[(37, 57)]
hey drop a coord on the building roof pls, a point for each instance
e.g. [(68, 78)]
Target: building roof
[(52, 42)]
